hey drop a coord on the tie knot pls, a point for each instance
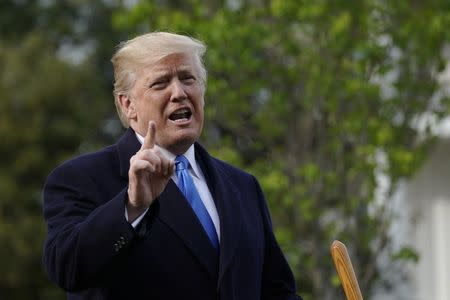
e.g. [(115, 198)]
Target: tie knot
[(181, 163)]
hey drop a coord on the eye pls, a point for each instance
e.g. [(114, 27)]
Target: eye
[(187, 79), (159, 84)]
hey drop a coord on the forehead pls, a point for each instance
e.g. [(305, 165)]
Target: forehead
[(172, 63)]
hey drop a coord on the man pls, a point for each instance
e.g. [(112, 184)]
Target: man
[(154, 216)]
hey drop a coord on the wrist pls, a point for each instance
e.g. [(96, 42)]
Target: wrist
[(133, 211)]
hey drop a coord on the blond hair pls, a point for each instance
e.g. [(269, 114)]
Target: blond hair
[(146, 49)]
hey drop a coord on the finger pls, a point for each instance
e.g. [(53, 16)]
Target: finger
[(139, 165), (149, 140), (152, 156)]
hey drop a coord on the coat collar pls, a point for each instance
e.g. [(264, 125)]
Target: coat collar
[(127, 146)]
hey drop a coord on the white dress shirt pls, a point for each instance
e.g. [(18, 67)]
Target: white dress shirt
[(199, 182)]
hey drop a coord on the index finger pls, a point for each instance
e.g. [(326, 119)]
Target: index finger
[(149, 140)]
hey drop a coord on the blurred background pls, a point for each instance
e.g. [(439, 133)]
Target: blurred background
[(338, 107)]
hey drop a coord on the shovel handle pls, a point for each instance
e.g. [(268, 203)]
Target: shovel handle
[(345, 271)]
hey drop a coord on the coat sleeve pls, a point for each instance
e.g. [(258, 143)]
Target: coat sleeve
[(85, 232), (277, 279)]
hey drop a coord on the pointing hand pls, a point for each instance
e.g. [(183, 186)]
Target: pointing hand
[(148, 175)]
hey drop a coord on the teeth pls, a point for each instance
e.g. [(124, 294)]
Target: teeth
[(181, 111), (181, 120), (181, 114)]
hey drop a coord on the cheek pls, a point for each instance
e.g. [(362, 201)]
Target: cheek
[(201, 100), (200, 108), (152, 109)]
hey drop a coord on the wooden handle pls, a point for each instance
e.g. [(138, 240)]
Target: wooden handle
[(345, 271)]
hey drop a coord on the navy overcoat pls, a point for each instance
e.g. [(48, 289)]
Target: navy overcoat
[(94, 253)]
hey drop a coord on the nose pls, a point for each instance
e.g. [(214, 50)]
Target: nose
[(177, 91)]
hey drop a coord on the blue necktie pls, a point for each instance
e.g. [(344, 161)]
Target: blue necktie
[(186, 185)]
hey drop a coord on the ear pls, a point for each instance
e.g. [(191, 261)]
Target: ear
[(127, 106)]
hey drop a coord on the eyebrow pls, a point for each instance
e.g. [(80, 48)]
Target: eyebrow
[(181, 68), (163, 74)]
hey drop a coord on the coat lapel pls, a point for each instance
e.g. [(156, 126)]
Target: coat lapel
[(177, 214), (227, 198)]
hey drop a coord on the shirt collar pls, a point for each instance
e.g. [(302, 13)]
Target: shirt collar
[(189, 154)]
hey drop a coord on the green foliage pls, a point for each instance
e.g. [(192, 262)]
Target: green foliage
[(43, 122), (308, 93), (304, 94), (405, 253)]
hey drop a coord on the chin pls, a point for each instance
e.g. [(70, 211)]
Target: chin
[(180, 144)]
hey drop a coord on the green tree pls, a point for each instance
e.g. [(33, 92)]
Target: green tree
[(309, 95), (56, 103), (43, 122)]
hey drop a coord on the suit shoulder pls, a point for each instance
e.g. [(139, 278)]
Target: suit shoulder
[(232, 171), (88, 162)]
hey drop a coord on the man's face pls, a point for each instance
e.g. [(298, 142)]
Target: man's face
[(170, 93)]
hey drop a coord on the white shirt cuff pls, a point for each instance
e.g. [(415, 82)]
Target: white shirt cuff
[(138, 219)]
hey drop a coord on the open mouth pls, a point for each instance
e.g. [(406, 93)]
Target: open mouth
[(181, 115)]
